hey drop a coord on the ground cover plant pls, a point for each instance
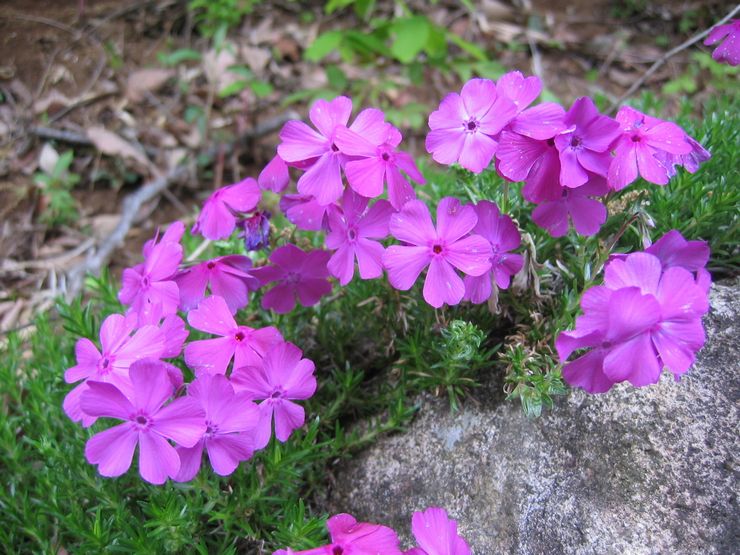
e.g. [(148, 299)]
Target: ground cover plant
[(314, 317)]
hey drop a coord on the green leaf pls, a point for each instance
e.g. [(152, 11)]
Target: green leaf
[(234, 88), (323, 45), (179, 56), (468, 47), (412, 34), (334, 5), (241, 71), (436, 46), (336, 77), (261, 88)]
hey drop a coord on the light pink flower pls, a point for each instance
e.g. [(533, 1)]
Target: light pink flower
[(228, 277), (146, 422), (729, 50), (522, 91), (436, 534), (575, 204), (217, 219)]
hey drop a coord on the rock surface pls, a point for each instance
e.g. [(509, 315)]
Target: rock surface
[(652, 470)]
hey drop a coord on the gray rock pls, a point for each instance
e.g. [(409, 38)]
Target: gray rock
[(651, 470)]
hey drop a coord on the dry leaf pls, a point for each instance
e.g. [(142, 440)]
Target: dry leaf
[(256, 58), (216, 67), (48, 158), (146, 80), (109, 143)]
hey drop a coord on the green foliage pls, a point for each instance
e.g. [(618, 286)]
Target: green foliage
[(57, 188), (215, 16), (248, 79)]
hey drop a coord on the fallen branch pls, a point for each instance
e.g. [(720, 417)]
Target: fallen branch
[(133, 202), (653, 68)]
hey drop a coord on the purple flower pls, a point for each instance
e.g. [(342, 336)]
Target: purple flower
[(502, 234), (274, 176), (464, 125), (149, 287), (217, 219), (378, 163), (587, 214), (175, 334), (298, 274), (352, 228), (353, 538), (228, 277), (442, 249), (227, 417), (246, 345), (584, 144), (690, 161), (522, 91), (280, 378), (305, 212), (436, 534), (146, 422), (643, 143), (729, 50), (256, 231)]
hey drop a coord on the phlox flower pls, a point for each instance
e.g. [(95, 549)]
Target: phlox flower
[(436, 534), (174, 332), (147, 421), (305, 212), (643, 143), (502, 234), (349, 537), (378, 163), (217, 219), (299, 274), (256, 230), (522, 91), (227, 276), (691, 161), (274, 176), (442, 249), (301, 144), (576, 204), (729, 36), (122, 345), (464, 126), (584, 144), (228, 416), (352, 230), (244, 344), (279, 378), (149, 287)]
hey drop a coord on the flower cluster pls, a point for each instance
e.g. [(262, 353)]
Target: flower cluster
[(435, 533), (646, 317)]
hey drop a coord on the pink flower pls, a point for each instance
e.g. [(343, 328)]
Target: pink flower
[(149, 287), (146, 422), (217, 219), (464, 125), (228, 277), (280, 378), (442, 249), (350, 537), (244, 344), (542, 122), (274, 176), (122, 345), (353, 227), (305, 212), (378, 163), (298, 274), (642, 144), (587, 214), (584, 144), (502, 234), (729, 50), (522, 91), (227, 417), (690, 161), (436, 534), (175, 334)]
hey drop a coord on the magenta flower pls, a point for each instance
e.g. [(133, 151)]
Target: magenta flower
[(244, 344), (149, 287), (227, 417), (436, 534), (122, 345), (691, 161), (642, 144), (502, 234), (584, 144), (353, 228), (228, 277), (217, 219), (378, 164), (729, 50), (175, 334), (146, 422), (534, 161), (274, 176), (542, 122), (586, 213), (442, 249), (464, 125), (280, 378), (350, 537), (305, 212), (522, 91), (299, 274)]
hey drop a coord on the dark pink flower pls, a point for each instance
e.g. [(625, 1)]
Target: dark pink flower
[(228, 416), (280, 378), (442, 249), (352, 230), (729, 50), (464, 126), (436, 534), (217, 219), (146, 422), (305, 212), (244, 344), (522, 91), (503, 235), (228, 277), (577, 205), (274, 176), (299, 274)]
